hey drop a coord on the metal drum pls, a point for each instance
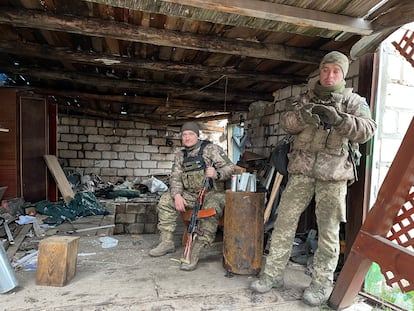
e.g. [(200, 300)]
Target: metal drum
[(7, 278), (243, 232)]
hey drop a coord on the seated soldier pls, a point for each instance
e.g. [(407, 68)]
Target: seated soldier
[(199, 159)]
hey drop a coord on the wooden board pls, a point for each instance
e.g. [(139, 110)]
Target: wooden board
[(60, 177), (21, 234)]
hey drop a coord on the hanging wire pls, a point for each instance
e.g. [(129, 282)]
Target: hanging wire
[(204, 87)]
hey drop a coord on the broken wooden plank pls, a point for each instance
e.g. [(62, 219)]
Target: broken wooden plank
[(12, 249), (59, 177)]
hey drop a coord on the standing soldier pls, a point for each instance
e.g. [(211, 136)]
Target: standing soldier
[(327, 123), (198, 160)]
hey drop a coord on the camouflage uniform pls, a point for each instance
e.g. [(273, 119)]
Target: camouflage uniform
[(188, 184), (318, 165)]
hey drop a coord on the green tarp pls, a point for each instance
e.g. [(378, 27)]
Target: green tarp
[(84, 204)]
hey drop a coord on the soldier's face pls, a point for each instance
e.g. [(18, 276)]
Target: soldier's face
[(330, 74), (189, 138)]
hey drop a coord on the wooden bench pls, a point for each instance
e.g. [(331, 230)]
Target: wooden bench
[(186, 218)]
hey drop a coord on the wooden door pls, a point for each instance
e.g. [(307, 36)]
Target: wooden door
[(9, 144), (33, 145)]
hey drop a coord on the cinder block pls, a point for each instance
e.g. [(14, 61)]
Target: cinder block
[(57, 258)]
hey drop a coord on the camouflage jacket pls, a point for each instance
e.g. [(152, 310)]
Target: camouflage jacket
[(322, 152), (213, 155)]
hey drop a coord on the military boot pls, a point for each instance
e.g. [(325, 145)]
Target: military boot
[(317, 294), (195, 256), (165, 246), (265, 283)]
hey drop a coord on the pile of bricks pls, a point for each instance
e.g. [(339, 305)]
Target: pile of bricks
[(136, 216)]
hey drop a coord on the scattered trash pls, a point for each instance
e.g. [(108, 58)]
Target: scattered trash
[(30, 258), (30, 265), (108, 242), (86, 254), (24, 220), (121, 199), (39, 231), (155, 185)]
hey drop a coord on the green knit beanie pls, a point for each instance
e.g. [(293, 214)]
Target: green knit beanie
[(338, 58), (191, 126)]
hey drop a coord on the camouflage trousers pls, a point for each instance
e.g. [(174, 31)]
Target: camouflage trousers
[(167, 214), (330, 210)]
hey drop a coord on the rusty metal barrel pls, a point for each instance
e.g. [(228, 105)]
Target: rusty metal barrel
[(243, 232)]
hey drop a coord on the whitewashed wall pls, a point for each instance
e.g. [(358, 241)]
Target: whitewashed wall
[(395, 107)]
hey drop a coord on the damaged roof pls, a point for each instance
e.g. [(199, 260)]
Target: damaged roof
[(168, 61)]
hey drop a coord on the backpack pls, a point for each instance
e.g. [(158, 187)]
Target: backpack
[(279, 158)]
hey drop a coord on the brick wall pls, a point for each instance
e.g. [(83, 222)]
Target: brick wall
[(115, 150), (395, 109)]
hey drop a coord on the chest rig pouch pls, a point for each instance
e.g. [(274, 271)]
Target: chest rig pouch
[(193, 169), (325, 138)]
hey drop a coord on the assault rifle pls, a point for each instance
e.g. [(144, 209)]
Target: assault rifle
[(193, 228)]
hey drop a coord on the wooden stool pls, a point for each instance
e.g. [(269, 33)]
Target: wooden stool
[(186, 217), (57, 257)]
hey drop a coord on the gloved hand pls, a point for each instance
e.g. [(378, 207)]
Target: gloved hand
[(309, 117), (293, 103), (327, 114)]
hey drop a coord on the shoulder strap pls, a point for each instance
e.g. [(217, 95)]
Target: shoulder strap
[(204, 143), (197, 162)]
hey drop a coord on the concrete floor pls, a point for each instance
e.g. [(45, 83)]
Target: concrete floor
[(125, 277)]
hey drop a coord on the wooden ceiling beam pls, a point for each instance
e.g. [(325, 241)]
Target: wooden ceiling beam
[(241, 12), (161, 37), (123, 63), (402, 13), (132, 86), (156, 120), (186, 105)]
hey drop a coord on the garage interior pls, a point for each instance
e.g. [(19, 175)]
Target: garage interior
[(82, 75)]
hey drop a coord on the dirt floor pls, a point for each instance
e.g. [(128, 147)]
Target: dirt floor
[(125, 277)]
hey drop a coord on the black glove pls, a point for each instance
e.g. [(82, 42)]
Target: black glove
[(309, 117), (327, 114)]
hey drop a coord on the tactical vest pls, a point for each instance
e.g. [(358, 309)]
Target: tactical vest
[(319, 139), (196, 163), (193, 169)]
